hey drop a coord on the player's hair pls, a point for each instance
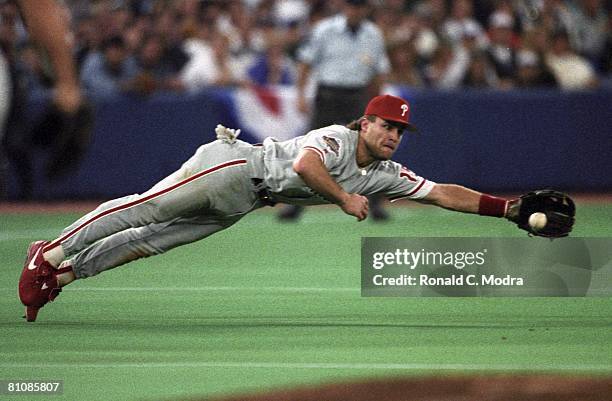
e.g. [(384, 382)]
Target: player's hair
[(355, 125)]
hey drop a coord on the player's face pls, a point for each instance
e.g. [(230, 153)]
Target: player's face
[(355, 14), (381, 138)]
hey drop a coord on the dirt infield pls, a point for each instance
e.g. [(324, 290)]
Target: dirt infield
[(464, 388)]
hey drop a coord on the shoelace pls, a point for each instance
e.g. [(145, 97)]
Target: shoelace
[(43, 272)]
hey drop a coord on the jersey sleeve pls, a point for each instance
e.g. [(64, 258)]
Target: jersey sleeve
[(330, 146), (405, 184)]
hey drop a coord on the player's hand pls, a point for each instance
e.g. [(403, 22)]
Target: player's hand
[(355, 205), (67, 97), (512, 212)]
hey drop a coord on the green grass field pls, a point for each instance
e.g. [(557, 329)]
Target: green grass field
[(266, 305)]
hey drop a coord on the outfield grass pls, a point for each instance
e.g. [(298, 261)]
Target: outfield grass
[(264, 304)]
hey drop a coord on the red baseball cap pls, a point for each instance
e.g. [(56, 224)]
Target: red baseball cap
[(391, 108)]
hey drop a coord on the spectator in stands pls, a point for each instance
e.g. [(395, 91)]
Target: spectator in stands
[(200, 69), (537, 39), (87, 39), (286, 12), (136, 32), (120, 19), (293, 39), (480, 73), (426, 39), (244, 27), (462, 15), (273, 67), (209, 60), (235, 24), (501, 51), (447, 68), (606, 57), (571, 70), (435, 10), (589, 29), (389, 19), (404, 71), (405, 28), (170, 27), (472, 39), (230, 72), (532, 72), (105, 73), (553, 16), (468, 54), (155, 71), (171, 30)]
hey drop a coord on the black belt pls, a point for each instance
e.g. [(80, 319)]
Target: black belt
[(348, 90), (263, 193)]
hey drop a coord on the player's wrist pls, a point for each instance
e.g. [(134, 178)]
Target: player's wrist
[(492, 206), (342, 199), (512, 212)]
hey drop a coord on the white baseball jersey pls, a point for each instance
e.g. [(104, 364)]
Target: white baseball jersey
[(336, 145)]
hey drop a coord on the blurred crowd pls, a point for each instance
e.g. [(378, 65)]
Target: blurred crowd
[(143, 46)]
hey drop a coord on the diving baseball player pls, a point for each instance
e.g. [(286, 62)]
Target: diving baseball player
[(226, 179)]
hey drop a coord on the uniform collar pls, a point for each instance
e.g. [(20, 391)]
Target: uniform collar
[(343, 24)]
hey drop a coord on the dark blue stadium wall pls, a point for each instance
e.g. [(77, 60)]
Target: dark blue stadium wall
[(492, 141), (505, 141)]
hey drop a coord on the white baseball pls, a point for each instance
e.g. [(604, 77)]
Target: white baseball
[(537, 221)]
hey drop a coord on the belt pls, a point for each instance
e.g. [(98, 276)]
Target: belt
[(341, 89), (263, 193)]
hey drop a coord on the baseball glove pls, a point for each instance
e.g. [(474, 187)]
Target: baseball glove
[(68, 135), (558, 207)]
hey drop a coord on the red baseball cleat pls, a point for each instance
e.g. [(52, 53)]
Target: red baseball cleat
[(38, 283)]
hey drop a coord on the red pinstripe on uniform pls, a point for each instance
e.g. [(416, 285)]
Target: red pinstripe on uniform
[(407, 174), (318, 151), (414, 191), (143, 200)]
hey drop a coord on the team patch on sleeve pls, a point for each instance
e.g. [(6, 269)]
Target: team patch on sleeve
[(332, 144), (409, 185), (405, 173)]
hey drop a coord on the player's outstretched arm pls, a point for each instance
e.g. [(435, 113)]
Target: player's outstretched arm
[(310, 168), (545, 213), (462, 199)]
